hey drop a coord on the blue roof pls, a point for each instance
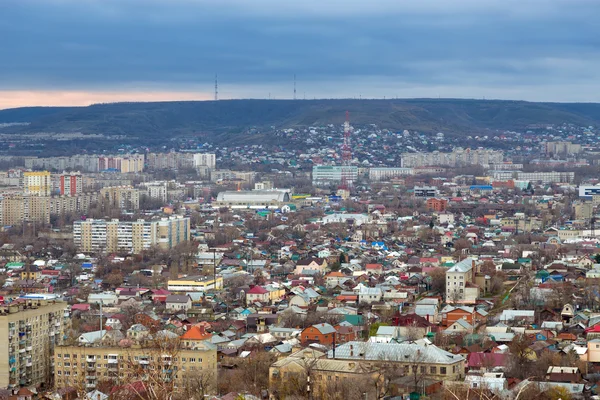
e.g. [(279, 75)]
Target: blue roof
[(481, 187)]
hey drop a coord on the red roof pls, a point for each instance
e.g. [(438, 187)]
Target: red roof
[(257, 290), (374, 266), (487, 359)]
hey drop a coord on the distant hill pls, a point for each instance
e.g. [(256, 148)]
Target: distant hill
[(229, 118)]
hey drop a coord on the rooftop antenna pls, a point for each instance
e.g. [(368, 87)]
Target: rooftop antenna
[(294, 86), (216, 88)]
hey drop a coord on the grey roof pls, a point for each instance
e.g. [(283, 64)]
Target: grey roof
[(386, 330), (400, 352), (425, 309), (508, 315), (177, 298), (464, 266), (254, 196), (324, 328)]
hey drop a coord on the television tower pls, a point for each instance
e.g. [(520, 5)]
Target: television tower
[(216, 88), (294, 86), (346, 155)]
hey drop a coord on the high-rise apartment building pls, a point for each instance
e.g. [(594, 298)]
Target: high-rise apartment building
[(132, 163), (71, 183), (37, 183), (16, 209), (205, 160), (123, 197), (130, 236), (29, 333)]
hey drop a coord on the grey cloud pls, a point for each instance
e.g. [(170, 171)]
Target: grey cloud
[(345, 47)]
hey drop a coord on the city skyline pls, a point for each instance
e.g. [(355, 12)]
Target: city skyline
[(64, 52)]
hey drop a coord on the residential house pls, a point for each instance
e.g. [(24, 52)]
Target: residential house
[(257, 294), (310, 266), (178, 302), (322, 333)]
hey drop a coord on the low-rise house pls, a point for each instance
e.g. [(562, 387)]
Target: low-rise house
[(319, 333), (257, 294), (369, 295), (178, 302), (518, 317)]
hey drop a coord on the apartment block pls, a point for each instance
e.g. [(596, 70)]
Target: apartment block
[(205, 160), (86, 163), (383, 174), (85, 366), (37, 183), (123, 197), (543, 177), (325, 175), (229, 175), (132, 163), (71, 183), (457, 158), (130, 236), (563, 148), (16, 209), (29, 333)]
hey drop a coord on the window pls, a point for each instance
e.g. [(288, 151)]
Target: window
[(422, 369), (433, 370), (443, 370)]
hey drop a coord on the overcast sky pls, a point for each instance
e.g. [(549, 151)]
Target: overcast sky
[(84, 51)]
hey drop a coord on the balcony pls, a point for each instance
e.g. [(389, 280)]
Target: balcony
[(22, 350), (91, 377), (90, 385), (29, 348), (90, 368), (29, 364)]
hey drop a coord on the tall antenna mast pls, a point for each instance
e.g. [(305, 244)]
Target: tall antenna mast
[(294, 86), (216, 88), (346, 155)]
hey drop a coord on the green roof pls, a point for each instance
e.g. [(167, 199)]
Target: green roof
[(355, 320)]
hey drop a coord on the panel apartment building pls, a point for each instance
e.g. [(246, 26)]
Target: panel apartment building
[(457, 158), (98, 235), (85, 366), (29, 332), (37, 183), (325, 175)]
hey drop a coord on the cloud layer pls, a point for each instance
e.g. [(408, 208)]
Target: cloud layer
[(528, 49)]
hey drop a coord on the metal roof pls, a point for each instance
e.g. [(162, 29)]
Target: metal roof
[(400, 352)]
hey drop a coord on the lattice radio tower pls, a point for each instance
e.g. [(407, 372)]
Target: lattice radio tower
[(346, 155), (216, 88)]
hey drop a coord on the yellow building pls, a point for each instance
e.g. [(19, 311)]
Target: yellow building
[(29, 333), (195, 284), (83, 367), (15, 209), (123, 197), (37, 183), (366, 365)]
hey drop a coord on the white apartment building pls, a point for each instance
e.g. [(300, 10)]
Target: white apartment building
[(130, 236), (324, 175), (205, 160), (458, 157), (382, 174), (543, 177)]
